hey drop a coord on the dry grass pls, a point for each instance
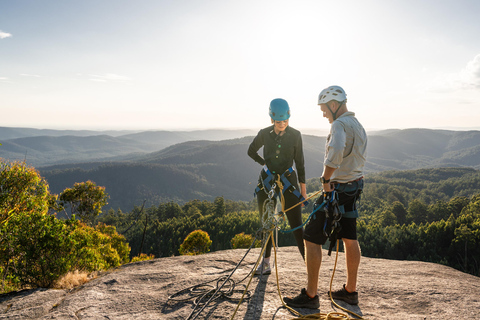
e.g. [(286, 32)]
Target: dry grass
[(74, 279)]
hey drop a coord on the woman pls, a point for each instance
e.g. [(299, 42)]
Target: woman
[(282, 145)]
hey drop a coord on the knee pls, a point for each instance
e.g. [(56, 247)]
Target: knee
[(311, 245)]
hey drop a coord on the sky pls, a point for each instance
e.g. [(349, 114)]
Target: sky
[(211, 64)]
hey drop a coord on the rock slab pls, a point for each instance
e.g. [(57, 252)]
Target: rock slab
[(388, 289)]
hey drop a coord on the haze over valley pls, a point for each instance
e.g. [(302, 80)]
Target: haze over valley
[(160, 166)]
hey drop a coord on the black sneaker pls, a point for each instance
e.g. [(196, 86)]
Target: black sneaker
[(303, 301), (343, 294)]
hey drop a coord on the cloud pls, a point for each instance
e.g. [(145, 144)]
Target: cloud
[(29, 75), (4, 35), (109, 77), (466, 79), (471, 73)]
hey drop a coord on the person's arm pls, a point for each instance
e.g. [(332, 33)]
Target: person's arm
[(327, 175), (300, 165), (256, 144), (334, 154), (303, 190)]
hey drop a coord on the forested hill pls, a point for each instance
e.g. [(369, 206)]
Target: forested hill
[(55, 147), (207, 169)]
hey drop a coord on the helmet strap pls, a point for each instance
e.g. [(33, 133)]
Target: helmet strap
[(334, 114)]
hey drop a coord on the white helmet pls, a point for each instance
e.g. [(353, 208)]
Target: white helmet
[(332, 93)]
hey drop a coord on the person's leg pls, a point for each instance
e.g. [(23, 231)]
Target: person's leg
[(313, 253), (352, 259), (295, 220), (261, 197)]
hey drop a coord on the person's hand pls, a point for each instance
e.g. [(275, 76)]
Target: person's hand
[(304, 195), (303, 192), (328, 187)]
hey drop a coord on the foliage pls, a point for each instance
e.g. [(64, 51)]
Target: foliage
[(85, 199), (197, 242), (36, 248), (454, 242), (244, 241), (426, 214), (22, 189), (143, 257), (98, 248)]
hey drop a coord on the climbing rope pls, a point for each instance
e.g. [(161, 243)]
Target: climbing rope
[(330, 315), (200, 292), (270, 222), (253, 274)]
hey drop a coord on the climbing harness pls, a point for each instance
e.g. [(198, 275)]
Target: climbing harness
[(280, 181), (270, 222), (329, 204), (271, 219)]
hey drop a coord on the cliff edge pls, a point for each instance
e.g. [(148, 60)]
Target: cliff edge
[(388, 289)]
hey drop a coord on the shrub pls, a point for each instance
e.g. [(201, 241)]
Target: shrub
[(143, 257), (73, 279), (96, 250), (36, 249), (244, 241), (197, 242)]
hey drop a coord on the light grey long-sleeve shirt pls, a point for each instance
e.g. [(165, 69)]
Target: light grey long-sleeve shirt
[(346, 148)]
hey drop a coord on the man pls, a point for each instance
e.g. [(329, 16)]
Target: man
[(345, 153)]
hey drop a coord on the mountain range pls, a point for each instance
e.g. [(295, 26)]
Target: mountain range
[(162, 166)]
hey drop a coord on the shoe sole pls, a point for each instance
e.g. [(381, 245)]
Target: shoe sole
[(294, 305), (349, 301), (264, 273)]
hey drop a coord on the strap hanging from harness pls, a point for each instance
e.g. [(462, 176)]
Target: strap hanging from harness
[(332, 226)]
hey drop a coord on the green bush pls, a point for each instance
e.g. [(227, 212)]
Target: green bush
[(36, 248), (143, 257), (244, 241), (197, 242)]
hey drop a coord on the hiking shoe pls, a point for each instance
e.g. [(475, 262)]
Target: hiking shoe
[(302, 301), (343, 294), (266, 268)]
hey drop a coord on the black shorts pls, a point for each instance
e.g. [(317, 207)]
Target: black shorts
[(347, 200), (314, 229)]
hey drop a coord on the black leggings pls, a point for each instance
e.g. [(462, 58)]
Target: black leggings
[(294, 217)]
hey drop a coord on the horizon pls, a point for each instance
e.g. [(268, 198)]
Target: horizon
[(195, 65), (302, 130)]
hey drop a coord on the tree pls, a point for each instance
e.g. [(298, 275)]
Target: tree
[(197, 242), (399, 211), (417, 212), (388, 218), (85, 199), (22, 190), (220, 208), (24, 199), (36, 248)]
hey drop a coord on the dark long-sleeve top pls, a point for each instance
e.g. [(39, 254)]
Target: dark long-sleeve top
[(279, 152)]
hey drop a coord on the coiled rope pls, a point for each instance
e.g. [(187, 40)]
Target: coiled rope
[(200, 292), (330, 315), (316, 316), (204, 290)]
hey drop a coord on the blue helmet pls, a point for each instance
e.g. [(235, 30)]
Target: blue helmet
[(279, 110)]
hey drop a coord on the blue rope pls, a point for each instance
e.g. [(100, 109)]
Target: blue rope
[(321, 206)]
